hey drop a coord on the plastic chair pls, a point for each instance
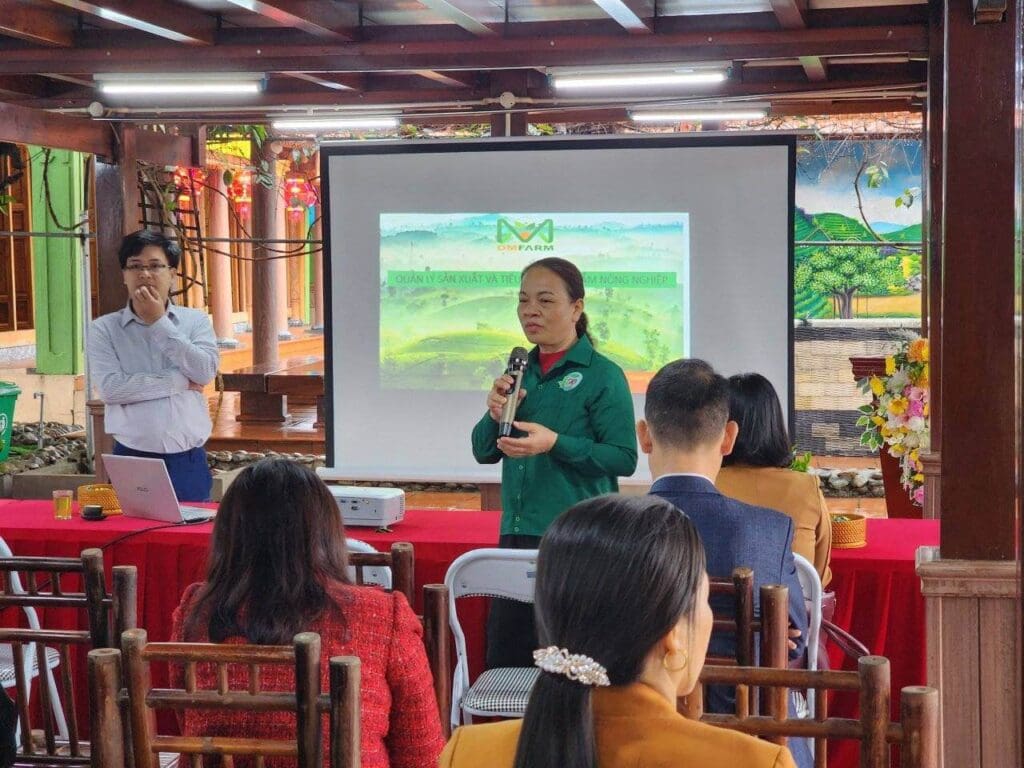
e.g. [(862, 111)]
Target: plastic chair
[(378, 575), (392, 570), (505, 573)]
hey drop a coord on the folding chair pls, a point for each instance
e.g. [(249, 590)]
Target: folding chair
[(505, 573)]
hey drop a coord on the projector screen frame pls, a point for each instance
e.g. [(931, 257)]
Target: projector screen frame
[(531, 143)]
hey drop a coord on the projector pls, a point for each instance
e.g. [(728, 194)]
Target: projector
[(372, 507)]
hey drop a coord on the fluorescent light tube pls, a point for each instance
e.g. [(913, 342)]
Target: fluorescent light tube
[(332, 123), (181, 84), (639, 79), (696, 115)]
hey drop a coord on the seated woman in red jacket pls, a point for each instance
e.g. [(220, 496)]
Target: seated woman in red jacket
[(277, 566)]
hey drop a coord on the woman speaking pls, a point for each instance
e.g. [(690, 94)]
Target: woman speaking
[(573, 434)]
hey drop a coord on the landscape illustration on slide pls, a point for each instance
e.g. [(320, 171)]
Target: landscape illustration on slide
[(449, 286)]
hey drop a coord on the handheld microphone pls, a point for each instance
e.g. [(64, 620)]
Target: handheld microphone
[(516, 368)]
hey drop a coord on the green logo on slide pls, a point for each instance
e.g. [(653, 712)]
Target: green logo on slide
[(524, 232)]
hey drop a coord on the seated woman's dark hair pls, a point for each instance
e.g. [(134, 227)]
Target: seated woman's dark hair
[(614, 575), (763, 440), (278, 540)]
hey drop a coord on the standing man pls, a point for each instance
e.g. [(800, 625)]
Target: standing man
[(149, 364)]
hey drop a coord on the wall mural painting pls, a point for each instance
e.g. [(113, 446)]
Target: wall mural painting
[(857, 229)]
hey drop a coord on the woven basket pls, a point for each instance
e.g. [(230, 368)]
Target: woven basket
[(102, 494), (851, 532)]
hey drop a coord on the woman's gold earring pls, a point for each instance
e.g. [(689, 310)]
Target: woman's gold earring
[(681, 667)]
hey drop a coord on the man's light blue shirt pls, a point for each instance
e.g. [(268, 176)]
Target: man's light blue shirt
[(142, 373)]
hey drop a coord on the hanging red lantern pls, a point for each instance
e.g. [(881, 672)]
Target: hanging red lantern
[(240, 192), (296, 196), (187, 180)]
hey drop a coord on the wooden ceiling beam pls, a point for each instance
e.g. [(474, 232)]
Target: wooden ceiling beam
[(36, 25), (22, 125), (396, 90), (484, 53), (635, 16), (156, 17), (791, 14), (452, 13), (25, 86), (320, 18), (815, 68), (455, 79), (333, 82)]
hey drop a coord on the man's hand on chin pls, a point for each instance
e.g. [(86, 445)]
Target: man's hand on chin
[(147, 304)]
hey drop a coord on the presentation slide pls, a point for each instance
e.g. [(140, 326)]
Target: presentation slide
[(447, 282), (685, 245)]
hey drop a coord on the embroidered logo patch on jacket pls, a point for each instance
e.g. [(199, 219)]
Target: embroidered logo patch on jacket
[(570, 381)]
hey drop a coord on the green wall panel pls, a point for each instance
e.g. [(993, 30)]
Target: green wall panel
[(55, 261)]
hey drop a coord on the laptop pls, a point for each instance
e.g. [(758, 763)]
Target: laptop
[(144, 490)]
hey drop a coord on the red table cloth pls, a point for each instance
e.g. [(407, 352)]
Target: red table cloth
[(877, 590)]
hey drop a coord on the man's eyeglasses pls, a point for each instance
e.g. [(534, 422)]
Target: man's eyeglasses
[(146, 267)]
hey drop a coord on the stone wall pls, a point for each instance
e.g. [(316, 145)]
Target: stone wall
[(826, 395)]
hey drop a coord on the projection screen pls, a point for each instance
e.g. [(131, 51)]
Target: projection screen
[(685, 244)]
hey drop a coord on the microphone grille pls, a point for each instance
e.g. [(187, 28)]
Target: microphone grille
[(519, 355)]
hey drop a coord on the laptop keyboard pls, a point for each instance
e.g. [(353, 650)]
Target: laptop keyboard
[(196, 513)]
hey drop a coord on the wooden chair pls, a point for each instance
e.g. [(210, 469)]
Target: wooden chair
[(437, 636), (45, 581), (307, 702), (401, 560), (916, 733), (770, 629)]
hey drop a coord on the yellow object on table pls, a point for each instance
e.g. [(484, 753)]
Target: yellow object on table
[(849, 530), (102, 494)]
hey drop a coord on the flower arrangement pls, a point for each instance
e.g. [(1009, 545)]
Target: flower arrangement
[(898, 414)]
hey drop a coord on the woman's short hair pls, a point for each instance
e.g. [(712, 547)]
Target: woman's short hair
[(614, 575), (572, 279), (763, 440), (278, 540)]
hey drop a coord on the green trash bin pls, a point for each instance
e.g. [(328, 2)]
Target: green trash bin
[(9, 392)]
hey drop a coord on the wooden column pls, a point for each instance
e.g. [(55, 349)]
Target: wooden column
[(978, 497), (265, 285), (973, 658), (280, 264), (218, 264), (117, 214), (971, 584), (296, 229), (318, 274)]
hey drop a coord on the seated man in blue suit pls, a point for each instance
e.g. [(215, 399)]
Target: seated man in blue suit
[(685, 432)]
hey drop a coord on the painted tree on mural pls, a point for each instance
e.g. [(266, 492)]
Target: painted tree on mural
[(843, 270)]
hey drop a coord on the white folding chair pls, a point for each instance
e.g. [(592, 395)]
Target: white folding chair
[(506, 573), (30, 665), (372, 574), (810, 583)]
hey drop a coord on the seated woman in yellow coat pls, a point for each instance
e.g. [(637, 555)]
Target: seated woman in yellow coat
[(757, 471), (623, 615)]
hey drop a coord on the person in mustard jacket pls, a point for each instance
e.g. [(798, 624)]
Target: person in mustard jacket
[(624, 622), (757, 471), (574, 434)]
